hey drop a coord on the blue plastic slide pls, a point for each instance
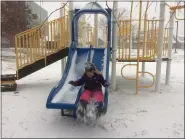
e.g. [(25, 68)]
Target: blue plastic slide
[(65, 96)]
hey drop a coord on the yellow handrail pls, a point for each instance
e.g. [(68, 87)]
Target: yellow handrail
[(153, 81), (145, 23), (37, 43), (177, 7), (144, 86), (130, 35), (138, 50), (122, 71)]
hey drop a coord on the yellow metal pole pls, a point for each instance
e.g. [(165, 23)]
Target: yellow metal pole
[(54, 36), (155, 40), (42, 39), (68, 29), (51, 37), (31, 45), (152, 40), (153, 81), (138, 50), (46, 39), (57, 30), (145, 39), (16, 52), (46, 32), (145, 24), (27, 49), (24, 49), (126, 46), (130, 37), (119, 40), (148, 39), (122, 41), (34, 40), (122, 71), (57, 34), (177, 7), (20, 51), (165, 41), (37, 47), (63, 32), (35, 44), (40, 43)]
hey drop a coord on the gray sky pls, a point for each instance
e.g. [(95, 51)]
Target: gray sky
[(152, 12)]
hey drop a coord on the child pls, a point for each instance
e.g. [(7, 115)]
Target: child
[(93, 81)]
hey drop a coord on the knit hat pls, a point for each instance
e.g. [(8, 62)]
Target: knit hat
[(90, 67)]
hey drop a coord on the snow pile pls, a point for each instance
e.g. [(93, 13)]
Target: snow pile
[(68, 93), (90, 113)]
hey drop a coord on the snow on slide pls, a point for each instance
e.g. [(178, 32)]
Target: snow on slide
[(68, 93), (104, 69)]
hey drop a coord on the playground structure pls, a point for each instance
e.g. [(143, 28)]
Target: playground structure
[(148, 41)]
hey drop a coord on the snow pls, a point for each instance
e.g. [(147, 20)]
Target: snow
[(148, 114)]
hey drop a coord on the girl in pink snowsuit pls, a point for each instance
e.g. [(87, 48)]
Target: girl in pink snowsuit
[(93, 81)]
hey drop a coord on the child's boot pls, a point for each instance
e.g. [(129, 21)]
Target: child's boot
[(99, 109), (81, 109)]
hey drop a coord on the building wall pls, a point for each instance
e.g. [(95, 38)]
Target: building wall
[(37, 9), (5, 43)]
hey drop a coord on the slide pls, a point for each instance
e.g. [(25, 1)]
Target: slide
[(65, 96)]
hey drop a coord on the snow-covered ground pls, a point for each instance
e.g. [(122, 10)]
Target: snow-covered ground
[(148, 114)]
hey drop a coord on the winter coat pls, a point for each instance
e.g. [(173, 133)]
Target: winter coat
[(94, 83)]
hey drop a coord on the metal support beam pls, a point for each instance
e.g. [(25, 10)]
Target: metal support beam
[(170, 42), (159, 46), (176, 37), (114, 45)]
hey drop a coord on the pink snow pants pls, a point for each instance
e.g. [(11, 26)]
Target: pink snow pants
[(87, 94)]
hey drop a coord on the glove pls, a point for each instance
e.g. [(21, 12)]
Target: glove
[(106, 84), (72, 83)]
